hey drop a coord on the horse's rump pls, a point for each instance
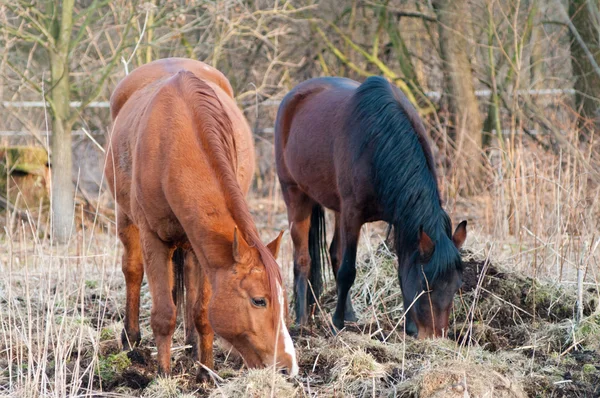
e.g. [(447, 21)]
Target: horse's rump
[(309, 137), (149, 74)]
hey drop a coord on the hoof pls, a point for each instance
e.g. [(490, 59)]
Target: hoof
[(130, 342), (203, 376), (338, 325), (350, 316), (162, 372), (302, 320), (334, 330)]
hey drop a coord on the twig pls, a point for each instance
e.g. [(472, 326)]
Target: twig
[(126, 63), (212, 373), (578, 37)]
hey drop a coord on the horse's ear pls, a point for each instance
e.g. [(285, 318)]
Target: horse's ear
[(275, 245), (239, 246), (460, 234), (426, 245)]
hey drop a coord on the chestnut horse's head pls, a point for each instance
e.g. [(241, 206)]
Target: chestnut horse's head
[(248, 307), (429, 278)]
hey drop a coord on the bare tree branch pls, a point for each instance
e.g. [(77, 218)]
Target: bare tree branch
[(105, 74), (578, 37)]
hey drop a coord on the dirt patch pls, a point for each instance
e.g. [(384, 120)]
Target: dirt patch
[(141, 356)]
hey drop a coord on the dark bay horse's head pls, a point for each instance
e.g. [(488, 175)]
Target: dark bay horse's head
[(430, 277), (249, 312)]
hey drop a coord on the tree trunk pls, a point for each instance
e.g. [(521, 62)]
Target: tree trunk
[(62, 183), (466, 120), (587, 80)]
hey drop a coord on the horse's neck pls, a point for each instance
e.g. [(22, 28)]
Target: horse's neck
[(211, 235), (408, 241), (213, 238)]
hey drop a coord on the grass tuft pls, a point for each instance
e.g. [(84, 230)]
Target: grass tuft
[(257, 384)]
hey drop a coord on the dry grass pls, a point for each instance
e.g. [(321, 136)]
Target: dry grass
[(514, 330), (257, 384), (61, 321)]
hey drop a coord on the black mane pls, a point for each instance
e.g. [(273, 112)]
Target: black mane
[(383, 121)]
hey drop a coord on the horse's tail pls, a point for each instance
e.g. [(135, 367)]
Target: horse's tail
[(316, 248), (178, 272)]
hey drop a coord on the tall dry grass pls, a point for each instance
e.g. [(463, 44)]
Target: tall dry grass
[(54, 303), (538, 203)]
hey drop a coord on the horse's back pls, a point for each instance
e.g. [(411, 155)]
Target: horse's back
[(309, 123), (325, 140), (152, 72)]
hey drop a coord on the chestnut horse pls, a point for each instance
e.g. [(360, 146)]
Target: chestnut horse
[(180, 162), (360, 150)]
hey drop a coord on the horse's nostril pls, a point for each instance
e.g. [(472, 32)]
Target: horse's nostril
[(285, 372)]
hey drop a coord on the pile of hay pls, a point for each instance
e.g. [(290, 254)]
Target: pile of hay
[(257, 384)]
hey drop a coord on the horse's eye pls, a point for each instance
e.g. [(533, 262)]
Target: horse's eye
[(259, 302)]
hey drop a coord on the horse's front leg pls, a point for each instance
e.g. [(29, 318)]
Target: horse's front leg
[(157, 257), (350, 233), (205, 331), (335, 254), (192, 286)]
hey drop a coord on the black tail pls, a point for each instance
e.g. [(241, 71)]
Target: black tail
[(179, 286), (317, 244)]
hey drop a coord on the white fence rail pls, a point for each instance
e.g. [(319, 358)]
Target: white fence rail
[(267, 103), (41, 104), (430, 94)]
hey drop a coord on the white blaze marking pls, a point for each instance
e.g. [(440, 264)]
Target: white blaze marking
[(287, 339)]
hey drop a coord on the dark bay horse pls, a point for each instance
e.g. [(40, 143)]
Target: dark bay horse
[(360, 150), (180, 162)]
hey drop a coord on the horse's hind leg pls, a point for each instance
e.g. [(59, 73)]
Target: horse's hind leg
[(299, 207), (335, 247), (133, 270), (192, 279), (335, 253), (157, 256)]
